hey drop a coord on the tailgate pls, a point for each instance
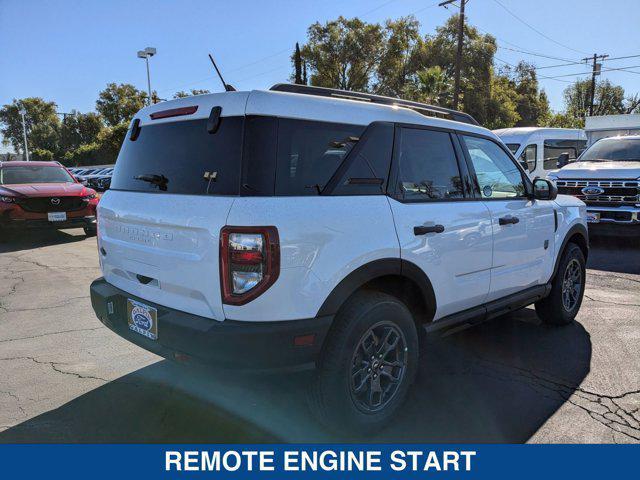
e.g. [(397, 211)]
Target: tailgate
[(164, 248)]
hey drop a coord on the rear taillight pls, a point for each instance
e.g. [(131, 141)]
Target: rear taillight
[(249, 262)]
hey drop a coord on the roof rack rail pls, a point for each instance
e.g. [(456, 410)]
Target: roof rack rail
[(422, 108)]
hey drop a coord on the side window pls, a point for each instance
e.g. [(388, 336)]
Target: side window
[(369, 163), (427, 166), (553, 149), (498, 176), (309, 153), (529, 155)]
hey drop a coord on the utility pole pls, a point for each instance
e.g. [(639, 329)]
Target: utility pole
[(596, 71), (23, 112), (456, 80)]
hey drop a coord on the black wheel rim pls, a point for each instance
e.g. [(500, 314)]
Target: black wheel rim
[(571, 285), (378, 367)]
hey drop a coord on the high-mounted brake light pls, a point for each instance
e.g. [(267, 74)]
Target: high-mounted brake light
[(174, 112), (249, 262)]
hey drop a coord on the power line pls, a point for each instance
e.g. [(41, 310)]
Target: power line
[(536, 30), (539, 76)]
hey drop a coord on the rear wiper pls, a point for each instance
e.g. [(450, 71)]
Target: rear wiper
[(159, 181)]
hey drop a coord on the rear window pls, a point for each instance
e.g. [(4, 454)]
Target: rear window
[(191, 160)]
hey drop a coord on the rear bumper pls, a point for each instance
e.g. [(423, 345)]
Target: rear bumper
[(23, 223), (228, 344)]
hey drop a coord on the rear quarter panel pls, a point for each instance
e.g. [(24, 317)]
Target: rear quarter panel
[(322, 240)]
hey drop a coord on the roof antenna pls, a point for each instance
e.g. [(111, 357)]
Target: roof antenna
[(227, 87)]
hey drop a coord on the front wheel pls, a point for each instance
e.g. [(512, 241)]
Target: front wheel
[(90, 231), (567, 289), (368, 363)]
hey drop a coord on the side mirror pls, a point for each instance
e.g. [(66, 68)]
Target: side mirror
[(544, 189), (563, 159)]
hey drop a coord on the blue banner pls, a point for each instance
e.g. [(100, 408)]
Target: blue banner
[(320, 461)]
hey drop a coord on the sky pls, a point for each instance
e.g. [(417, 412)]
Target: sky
[(68, 50)]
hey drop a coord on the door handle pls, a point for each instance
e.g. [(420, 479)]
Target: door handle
[(423, 230), (508, 220)]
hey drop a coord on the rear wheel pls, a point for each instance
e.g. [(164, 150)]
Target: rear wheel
[(567, 289), (368, 363)]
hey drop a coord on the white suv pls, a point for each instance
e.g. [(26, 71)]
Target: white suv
[(313, 227)]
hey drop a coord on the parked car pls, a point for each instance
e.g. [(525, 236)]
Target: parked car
[(304, 226), (44, 195), (101, 180), (607, 178), (538, 149)]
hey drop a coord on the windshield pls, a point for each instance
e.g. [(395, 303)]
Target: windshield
[(513, 147), (613, 149), (35, 174)]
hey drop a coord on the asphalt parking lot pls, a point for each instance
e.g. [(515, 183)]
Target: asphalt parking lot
[(66, 378)]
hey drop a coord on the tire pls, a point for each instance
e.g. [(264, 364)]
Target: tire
[(334, 396), (554, 309), (90, 231)]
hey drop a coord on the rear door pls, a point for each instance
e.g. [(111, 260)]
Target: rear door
[(441, 228), (159, 224), (523, 228)]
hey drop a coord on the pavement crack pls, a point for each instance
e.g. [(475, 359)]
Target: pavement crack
[(612, 303), (56, 368), (51, 333), (48, 307)]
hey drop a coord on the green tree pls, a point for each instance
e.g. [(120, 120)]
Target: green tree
[(532, 104), (78, 129), (297, 65), (398, 63), (42, 122), (193, 91), (343, 53), (609, 99), (118, 103), (429, 85), (502, 104)]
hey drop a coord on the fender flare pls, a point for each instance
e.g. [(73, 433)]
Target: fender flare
[(377, 269), (579, 229)]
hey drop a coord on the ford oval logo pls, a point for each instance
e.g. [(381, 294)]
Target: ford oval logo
[(592, 191), (141, 318)]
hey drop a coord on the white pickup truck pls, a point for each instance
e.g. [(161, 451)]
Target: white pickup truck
[(607, 178)]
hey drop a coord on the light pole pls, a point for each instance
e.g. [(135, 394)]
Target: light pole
[(22, 113), (146, 54)]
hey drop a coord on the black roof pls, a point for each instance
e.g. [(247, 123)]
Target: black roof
[(422, 108)]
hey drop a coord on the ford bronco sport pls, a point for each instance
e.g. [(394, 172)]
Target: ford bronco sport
[(313, 227)]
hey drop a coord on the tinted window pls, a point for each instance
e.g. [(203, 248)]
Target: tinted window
[(513, 147), (529, 155), (260, 148), (497, 175), (192, 160), (369, 163), (616, 149), (553, 149), (309, 153), (35, 174), (427, 166)]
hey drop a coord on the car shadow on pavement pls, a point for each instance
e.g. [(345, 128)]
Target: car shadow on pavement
[(32, 239), (497, 382)]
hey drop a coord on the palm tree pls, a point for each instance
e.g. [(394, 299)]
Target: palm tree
[(429, 85)]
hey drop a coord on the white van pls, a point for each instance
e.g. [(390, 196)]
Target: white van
[(538, 148)]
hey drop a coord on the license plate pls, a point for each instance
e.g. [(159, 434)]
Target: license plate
[(593, 217), (57, 216), (142, 319)]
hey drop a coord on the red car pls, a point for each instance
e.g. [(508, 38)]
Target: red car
[(44, 195)]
